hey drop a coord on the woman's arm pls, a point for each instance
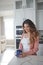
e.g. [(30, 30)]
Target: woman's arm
[(20, 46), (34, 50)]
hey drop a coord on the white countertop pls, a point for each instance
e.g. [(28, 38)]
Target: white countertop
[(9, 58), (29, 60)]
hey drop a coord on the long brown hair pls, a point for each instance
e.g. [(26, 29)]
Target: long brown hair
[(33, 31)]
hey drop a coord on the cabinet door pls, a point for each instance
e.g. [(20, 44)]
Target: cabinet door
[(18, 4), (40, 52), (29, 3), (29, 13), (40, 19), (19, 17), (40, 15)]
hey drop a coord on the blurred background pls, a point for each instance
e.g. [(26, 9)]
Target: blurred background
[(12, 14)]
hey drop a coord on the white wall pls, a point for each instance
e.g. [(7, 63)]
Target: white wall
[(6, 7), (6, 4), (6, 13)]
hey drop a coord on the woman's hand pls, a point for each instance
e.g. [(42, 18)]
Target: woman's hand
[(22, 55)]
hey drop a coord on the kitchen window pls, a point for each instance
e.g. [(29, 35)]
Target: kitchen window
[(9, 28)]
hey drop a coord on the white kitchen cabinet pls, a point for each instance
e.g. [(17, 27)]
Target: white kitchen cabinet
[(40, 1), (40, 15), (40, 19), (30, 14), (24, 9), (0, 26), (40, 51), (18, 17)]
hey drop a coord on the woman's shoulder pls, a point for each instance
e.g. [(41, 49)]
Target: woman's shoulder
[(22, 35)]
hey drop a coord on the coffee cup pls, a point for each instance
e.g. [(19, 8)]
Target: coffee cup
[(18, 52)]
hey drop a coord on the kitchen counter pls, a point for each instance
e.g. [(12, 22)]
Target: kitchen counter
[(29, 60), (9, 58)]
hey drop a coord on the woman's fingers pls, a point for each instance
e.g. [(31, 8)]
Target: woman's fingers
[(19, 56)]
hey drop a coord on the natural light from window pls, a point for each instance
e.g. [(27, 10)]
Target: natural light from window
[(9, 28)]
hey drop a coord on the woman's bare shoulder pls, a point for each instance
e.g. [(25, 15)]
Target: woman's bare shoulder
[(22, 35)]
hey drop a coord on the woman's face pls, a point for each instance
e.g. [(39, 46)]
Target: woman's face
[(26, 28)]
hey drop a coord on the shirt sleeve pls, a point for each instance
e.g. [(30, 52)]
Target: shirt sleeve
[(36, 47), (20, 46)]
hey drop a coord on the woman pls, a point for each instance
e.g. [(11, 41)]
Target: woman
[(30, 39)]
